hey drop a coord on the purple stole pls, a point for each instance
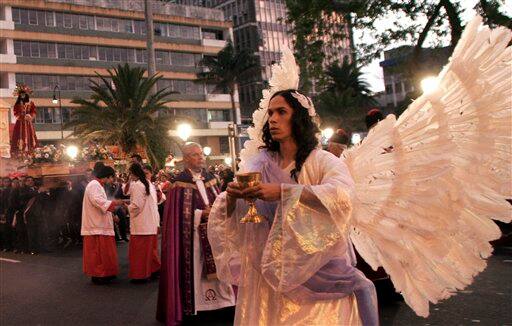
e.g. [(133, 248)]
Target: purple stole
[(176, 291)]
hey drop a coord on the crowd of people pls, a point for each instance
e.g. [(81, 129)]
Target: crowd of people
[(36, 219)]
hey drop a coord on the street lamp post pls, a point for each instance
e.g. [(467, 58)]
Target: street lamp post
[(232, 138), (55, 100)]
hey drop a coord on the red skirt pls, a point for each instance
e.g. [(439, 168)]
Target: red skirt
[(143, 254), (100, 256)]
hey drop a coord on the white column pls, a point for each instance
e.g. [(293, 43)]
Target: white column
[(10, 46), (6, 18), (7, 13)]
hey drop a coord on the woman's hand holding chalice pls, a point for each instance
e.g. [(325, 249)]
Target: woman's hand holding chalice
[(250, 188)]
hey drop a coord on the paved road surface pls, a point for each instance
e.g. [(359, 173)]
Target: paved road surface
[(50, 289)]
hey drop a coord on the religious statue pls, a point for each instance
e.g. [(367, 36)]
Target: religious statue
[(24, 138)]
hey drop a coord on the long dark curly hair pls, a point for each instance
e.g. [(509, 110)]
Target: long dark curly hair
[(304, 132)]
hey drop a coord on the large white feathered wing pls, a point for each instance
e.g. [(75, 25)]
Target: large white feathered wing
[(429, 184)]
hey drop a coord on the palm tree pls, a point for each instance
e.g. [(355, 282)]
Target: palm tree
[(347, 79), (225, 71), (124, 112), (346, 95)]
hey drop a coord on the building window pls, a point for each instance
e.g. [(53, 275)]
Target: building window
[(52, 115), (198, 115), (52, 53), (59, 19), (219, 115), (213, 34), (17, 48), (68, 21), (128, 26), (34, 49), (107, 24), (224, 145), (82, 22), (16, 15), (32, 17)]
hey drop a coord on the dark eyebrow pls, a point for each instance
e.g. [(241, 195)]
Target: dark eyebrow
[(280, 107)]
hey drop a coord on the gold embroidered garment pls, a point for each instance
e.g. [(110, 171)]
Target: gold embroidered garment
[(271, 261)]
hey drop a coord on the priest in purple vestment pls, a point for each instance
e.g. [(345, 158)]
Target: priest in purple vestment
[(188, 281)]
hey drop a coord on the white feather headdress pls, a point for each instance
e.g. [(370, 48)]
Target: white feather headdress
[(285, 75)]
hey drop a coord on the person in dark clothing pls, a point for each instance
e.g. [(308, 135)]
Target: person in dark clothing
[(20, 199), (36, 217), (75, 211), (122, 213), (372, 118), (9, 211), (338, 143), (226, 177), (6, 232)]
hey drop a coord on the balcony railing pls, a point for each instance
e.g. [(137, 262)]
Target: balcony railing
[(218, 98), (4, 24), (219, 124), (7, 58), (212, 42)]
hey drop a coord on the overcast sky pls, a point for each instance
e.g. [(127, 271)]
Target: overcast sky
[(373, 72)]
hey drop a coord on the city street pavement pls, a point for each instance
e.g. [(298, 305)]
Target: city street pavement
[(50, 289)]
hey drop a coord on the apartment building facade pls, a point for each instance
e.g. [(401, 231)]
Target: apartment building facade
[(260, 27), (44, 43)]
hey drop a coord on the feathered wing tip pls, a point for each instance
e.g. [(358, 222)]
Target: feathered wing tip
[(429, 184), (285, 75)]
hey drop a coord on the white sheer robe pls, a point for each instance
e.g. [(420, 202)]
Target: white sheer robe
[(272, 262)]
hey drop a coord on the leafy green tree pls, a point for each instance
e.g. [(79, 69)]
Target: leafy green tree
[(123, 111), (410, 22), (346, 96)]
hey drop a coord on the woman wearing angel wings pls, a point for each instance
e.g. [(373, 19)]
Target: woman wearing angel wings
[(417, 196)]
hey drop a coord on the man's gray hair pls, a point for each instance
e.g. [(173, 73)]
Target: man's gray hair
[(185, 149)]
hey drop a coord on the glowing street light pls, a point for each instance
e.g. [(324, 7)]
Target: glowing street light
[(356, 138), (184, 131), (72, 152), (207, 150), (429, 84), (327, 133), (228, 161)]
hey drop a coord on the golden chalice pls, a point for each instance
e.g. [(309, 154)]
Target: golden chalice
[(247, 180)]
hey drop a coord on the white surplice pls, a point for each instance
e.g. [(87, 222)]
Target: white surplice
[(208, 294)]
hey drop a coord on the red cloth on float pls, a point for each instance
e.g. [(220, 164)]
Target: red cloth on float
[(143, 255), (24, 137), (100, 256)]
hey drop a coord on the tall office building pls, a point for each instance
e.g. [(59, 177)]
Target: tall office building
[(260, 27), (44, 43)]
